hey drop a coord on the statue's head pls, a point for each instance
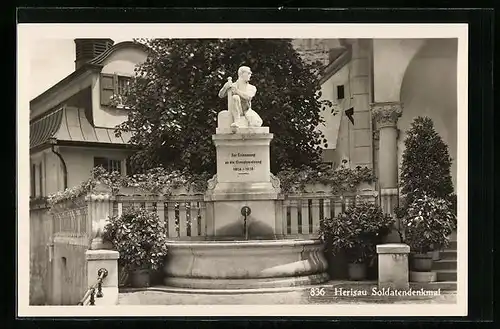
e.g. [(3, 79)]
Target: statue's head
[(244, 73)]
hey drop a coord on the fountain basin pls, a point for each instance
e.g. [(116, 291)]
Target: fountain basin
[(245, 264)]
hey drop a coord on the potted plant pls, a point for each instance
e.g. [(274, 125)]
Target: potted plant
[(425, 175), (428, 222), (356, 231), (141, 242)]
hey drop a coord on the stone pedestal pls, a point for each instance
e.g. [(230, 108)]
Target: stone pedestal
[(393, 266), (108, 260), (243, 180)]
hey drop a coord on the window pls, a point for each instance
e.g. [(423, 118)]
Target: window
[(109, 164), (123, 85), (33, 180), (113, 84), (329, 164), (340, 92)]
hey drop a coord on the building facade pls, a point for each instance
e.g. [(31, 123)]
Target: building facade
[(377, 87), (386, 83), (72, 123)]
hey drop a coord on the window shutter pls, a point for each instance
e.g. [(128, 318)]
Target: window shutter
[(129, 168), (108, 86)]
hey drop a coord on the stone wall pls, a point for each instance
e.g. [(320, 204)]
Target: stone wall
[(70, 271), (40, 244), (58, 242)]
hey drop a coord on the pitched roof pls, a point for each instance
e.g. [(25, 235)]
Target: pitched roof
[(71, 124), (339, 58), (99, 60), (94, 64)]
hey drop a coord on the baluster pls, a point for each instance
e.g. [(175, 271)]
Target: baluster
[(183, 218), (294, 220), (202, 219), (315, 214), (172, 227), (349, 202), (119, 208), (115, 208), (305, 216), (338, 206), (285, 223), (194, 218), (160, 210), (149, 206)]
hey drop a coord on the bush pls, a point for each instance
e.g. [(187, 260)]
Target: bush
[(342, 179), (139, 238), (426, 163), (428, 222), (357, 231)]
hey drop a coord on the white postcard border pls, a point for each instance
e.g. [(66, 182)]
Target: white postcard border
[(28, 32)]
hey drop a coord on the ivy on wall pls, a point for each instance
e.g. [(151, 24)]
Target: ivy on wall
[(161, 181)]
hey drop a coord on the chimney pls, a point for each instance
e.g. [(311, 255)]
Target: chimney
[(87, 49)]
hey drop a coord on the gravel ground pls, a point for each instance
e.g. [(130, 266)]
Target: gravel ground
[(293, 297)]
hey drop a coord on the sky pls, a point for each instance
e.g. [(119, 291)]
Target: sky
[(51, 61)]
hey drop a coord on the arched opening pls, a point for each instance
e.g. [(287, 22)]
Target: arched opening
[(429, 88)]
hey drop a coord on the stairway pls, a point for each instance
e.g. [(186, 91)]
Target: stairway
[(446, 266)]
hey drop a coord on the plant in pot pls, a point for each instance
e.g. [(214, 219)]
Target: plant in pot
[(425, 170), (356, 231), (141, 242), (428, 222)]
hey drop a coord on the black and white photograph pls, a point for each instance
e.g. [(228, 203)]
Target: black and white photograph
[(299, 170)]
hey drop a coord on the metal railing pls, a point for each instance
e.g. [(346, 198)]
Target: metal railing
[(91, 294)]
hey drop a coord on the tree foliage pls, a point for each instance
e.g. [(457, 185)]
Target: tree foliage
[(426, 164), (174, 104)]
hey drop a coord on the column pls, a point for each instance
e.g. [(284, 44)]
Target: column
[(361, 137), (386, 116)]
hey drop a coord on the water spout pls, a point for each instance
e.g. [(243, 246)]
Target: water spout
[(245, 211)]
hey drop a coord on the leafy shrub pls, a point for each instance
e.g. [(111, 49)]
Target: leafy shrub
[(343, 179), (138, 237), (428, 222), (426, 163), (357, 231)]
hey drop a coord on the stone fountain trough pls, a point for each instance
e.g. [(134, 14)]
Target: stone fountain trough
[(245, 264)]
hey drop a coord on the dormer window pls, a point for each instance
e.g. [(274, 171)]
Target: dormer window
[(114, 89), (123, 85)]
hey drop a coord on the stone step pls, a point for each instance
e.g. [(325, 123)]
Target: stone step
[(448, 254), (444, 264), (443, 285), (452, 245), (446, 275)]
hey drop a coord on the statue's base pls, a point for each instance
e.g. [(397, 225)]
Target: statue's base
[(242, 131), (243, 180)]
